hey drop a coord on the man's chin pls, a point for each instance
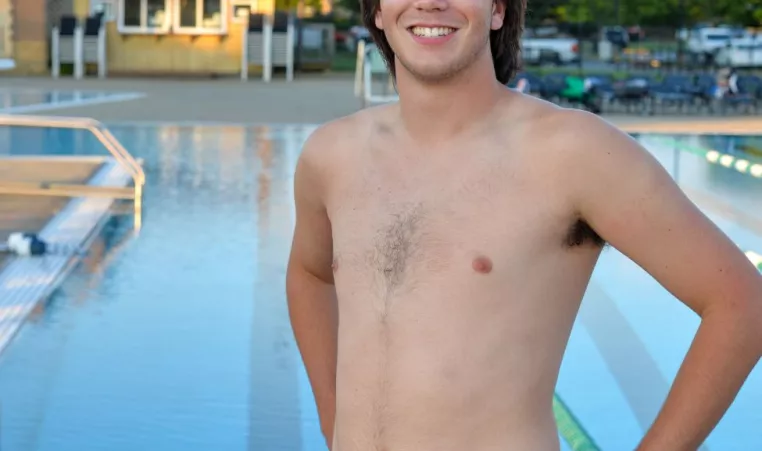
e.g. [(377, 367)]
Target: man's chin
[(431, 74)]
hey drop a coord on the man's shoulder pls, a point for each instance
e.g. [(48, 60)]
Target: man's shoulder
[(567, 132), (593, 140), (331, 146), (584, 151), (576, 146), (335, 137)]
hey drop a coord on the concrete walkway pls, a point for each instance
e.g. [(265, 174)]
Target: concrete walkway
[(309, 99)]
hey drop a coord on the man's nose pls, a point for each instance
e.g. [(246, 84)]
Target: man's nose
[(431, 5)]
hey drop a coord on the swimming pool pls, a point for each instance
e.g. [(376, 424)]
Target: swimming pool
[(179, 338), (31, 100)]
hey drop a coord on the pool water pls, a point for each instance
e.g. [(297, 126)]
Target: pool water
[(171, 344), (24, 101), (178, 338)]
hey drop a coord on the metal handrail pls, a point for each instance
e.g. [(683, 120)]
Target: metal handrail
[(96, 128), (104, 136)]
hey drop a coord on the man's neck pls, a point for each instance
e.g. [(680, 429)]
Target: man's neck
[(434, 112)]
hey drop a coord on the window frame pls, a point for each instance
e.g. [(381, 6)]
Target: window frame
[(144, 29), (199, 31), (112, 7), (235, 4)]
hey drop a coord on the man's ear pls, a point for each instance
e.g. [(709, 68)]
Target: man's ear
[(498, 15)]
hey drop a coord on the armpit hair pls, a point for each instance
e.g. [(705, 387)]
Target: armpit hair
[(581, 234)]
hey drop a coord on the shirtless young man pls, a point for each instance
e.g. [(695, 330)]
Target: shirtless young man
[(454, 234)]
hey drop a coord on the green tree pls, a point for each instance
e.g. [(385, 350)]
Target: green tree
[(660, 13), (352, 6), (286, 5), (538, 11), (742, 12), (293, 5)]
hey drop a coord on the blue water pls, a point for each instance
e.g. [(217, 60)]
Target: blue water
[(178, 338), (32, 99)]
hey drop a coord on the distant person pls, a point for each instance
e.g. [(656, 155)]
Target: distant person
[(727, 82), (721, 81), (733, 82), (443, 243)]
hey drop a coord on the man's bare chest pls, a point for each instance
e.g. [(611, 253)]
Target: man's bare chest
[(390, 234)]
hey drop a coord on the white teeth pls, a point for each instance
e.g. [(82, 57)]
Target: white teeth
[(434, 32)]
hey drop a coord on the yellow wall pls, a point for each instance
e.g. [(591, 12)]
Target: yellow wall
[(6, 29), (81, 8), (31, 58), (262, 6), (30, 43), (175, 54)]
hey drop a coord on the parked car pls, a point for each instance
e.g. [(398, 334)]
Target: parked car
[(741, 53), (705, 42), (557, 51)]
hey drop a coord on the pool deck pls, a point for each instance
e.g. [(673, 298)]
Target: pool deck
[(312, 99), (695, 125)]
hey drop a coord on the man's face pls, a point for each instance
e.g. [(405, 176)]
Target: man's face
[(436, 39)]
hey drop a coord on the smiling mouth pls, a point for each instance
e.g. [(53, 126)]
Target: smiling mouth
[(432, 32)]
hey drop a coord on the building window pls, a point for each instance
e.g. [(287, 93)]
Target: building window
[(107, 8), (241, 10), (201, 16), (144, 16)]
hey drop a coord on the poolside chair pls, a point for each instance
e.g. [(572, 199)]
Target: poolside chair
[(751, 87), (579, 93), (703, 90), (575, 90), (601, 91), (747, 97), (633, 94), (675, 91), (552, 87)]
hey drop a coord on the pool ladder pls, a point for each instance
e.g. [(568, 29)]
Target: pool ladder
[(104, 136)]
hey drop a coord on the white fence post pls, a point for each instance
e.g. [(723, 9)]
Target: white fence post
[(102, 56), (267, 49), (56, 52), (290, 38), (79, 66)]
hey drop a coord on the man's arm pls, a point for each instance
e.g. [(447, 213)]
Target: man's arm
[(624, 194), (310, 290)]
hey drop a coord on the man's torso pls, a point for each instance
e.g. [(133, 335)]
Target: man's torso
[(457, 290)]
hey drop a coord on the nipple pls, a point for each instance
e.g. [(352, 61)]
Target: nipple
[(482, 265)]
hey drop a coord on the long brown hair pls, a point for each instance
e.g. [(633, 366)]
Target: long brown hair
[(505, 42)]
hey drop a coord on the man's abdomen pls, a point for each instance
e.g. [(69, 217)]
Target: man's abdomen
[(446, 369)]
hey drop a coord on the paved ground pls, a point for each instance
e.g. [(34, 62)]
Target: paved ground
[(313, 100), (309, 99)]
